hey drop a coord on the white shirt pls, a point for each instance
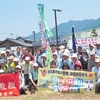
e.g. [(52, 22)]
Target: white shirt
[(97, 51)]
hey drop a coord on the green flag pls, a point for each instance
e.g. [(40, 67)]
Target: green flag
[(48, 55), (41, 12)]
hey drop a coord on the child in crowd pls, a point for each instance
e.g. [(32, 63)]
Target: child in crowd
[(56, 59), (78, 66), (65, 67), (53, 64)]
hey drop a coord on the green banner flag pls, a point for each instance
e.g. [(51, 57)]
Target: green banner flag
[(48, 55), (41, 12)]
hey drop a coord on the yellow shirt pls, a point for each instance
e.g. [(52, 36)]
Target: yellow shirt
[(13, 66)]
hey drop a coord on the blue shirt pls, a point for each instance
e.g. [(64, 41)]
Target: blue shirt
[(68, 61), (33, 75), (95, 69)]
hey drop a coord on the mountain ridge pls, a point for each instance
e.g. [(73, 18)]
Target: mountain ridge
[(65, 28)]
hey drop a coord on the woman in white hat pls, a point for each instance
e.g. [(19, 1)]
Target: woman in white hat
[(43, 60), (3, 56), (56, 59), (75, 60), (10, 61), (66, 61), (97, 49)]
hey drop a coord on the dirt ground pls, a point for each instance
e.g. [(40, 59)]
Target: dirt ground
[(53, 96)]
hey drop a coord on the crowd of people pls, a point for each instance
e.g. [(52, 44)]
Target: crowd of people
[(23, 62)]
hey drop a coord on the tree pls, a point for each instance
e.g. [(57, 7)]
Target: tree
[(94, 32)]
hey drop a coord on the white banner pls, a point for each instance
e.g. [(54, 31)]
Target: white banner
[(84, 42)]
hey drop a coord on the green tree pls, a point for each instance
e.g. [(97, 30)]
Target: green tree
[(94, 32)]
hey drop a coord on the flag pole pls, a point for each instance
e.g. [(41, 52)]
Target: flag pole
[(73, 40)]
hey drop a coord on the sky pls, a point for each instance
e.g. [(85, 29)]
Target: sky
[(21, 17)]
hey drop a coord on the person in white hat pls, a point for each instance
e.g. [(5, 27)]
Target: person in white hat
[(23, 88), (10, 61), (4, 66), (43, 60), (91, 61), (14, 64), (75, 60), (62, 50), (3, 56), (56, 59), (91, 49), (84, 60), (27, 67), (33, 76), (97, 49), (97, 66), (65, 60), (96, 69)]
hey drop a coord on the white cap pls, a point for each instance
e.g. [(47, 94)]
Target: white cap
[(11, 57), (7, 50), (62, 47), (74, 55), (35, 64), (1, 71), (92, 53), (97, 60), (54, 54), (27, 58), (16, 59), (44, 55), (65, 54), (2, 52), (18, 66)]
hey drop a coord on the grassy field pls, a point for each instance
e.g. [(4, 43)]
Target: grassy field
[(53, 96)]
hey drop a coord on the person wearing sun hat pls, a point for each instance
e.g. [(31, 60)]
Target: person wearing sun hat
[(62, 50), (3, 56), (96, 69), (66, 61), (84, 60), (33, 76), (97, 65), (91, 49), (14, 64), (10, 61), (23, 88), (27, 67), (56, 59), (97, 49), (91, 61), (75, 60), (43, 60), (4, 66)]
